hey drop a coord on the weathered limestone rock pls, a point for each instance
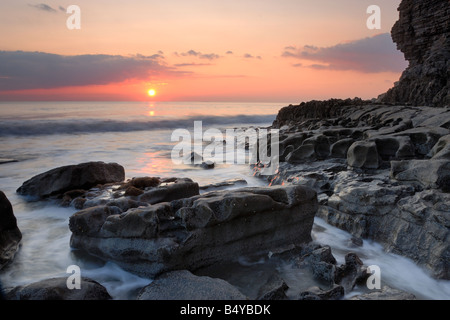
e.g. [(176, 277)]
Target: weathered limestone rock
[(441, 150), (363, 154), (429, 173), (198, 231)]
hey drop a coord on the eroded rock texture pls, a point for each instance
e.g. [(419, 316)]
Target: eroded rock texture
[(422, 33)]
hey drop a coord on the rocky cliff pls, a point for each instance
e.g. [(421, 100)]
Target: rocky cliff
[(422, 33)]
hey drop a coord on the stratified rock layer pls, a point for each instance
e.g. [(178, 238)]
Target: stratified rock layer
[(422, 33), (196, 232)]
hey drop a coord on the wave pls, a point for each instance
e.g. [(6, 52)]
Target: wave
[(84, 126)]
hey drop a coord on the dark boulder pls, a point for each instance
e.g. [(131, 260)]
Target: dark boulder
[(81, 176), (10, 235)]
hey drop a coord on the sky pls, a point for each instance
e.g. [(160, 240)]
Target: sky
[(197, 50)]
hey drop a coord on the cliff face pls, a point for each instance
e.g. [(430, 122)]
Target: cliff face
[(422, 33)]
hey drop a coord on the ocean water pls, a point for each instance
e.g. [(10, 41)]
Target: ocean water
[(137, 135)]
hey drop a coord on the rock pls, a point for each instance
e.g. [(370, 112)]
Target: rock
[(224, 184), (144, 182), (429, 173), (340, 148), (351, 273), (197, 232), (386, 293), (69, 196), (10, 235), (3, 161), (424, 138), (274, 289), (406, 222), (169, 191), (313, 110), (89, 221), (197, 160), (394, 147), (56, 289), (441, 150), (316, 293), (208, 164), (82, 176), (133, 191), (394, 186), (302, 153), (421, 33), (363, 154), (356, 241), (183, 285), (322, 264)]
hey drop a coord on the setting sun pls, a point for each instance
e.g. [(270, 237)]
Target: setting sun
[(151, 92)]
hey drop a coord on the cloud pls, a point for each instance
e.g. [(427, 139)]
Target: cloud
[(193, 53), (229, 52), (192, 64), (368, 55), (250, 56), (43, 7), (38, 70)]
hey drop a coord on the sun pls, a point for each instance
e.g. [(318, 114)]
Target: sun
[(151, 92)]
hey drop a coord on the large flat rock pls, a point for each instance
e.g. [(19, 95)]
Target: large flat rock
[(198, 231)]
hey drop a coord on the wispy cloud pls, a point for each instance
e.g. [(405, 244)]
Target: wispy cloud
[(38, 70), (192, 64), (193, 53), (250, 56), (44, 7), (368, 55)]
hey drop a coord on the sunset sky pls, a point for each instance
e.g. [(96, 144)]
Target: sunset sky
[(193, 50)]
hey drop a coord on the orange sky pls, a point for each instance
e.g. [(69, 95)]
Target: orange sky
[(248, 50)]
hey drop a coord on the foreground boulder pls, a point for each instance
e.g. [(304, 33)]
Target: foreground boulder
[(10, 235), (56, 289), (183, 285), (199, 231), (81, 176)]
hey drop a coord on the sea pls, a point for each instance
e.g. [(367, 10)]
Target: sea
[(39, 136)]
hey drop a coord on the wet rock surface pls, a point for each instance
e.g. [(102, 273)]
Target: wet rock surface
[(10, 235), (392, 185), (190, 233), (57, 289)]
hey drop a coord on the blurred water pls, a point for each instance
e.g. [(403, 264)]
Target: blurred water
[(45, 251)]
